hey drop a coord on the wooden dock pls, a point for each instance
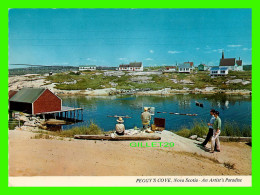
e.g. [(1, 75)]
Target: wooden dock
[(66, 113)]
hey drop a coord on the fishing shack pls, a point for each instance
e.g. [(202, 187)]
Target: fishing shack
[(41, 102), (35, 100)]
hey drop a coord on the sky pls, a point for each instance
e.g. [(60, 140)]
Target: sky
[(109, 37)]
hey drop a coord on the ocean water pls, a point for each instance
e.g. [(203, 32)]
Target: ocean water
[(232, 108)]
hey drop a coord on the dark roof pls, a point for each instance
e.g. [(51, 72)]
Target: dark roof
[(27, 95), (11, 93), (227, 62), (239, 62), (135, 64), (132, 64)]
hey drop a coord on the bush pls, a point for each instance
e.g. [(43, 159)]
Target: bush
[(183, 132), (229, 129), (199, 128), (92, 129)]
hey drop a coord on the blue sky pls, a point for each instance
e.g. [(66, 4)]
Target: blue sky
[(109, 37)]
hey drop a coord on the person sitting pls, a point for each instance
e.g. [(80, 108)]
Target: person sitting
[(120, 127)]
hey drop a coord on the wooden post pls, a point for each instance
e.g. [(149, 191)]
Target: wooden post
[(44, 117), (82, 115)]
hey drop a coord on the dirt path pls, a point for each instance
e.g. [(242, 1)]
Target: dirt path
[(52, 157)]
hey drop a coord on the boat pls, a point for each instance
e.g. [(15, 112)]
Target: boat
[(199, 104)]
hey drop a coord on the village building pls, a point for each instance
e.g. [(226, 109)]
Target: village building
[(132, 66), (191, 65), (231, 63), (106, 68), (218, 71), (170, 69), (34, 100), (185, 67), (202, 67), (87, 67)]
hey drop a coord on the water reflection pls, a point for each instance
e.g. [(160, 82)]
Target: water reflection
[(232, 108)]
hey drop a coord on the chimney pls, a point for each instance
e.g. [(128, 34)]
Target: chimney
[(222, 54)]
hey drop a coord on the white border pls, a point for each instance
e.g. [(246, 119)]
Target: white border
[(131, 181)]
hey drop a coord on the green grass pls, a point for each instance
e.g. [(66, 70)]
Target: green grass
[(201, 80), (229, 129), (92, 129)]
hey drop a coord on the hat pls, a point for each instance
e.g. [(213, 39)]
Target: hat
[(120, 120)]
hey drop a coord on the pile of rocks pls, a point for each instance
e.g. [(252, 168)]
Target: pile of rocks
[(195, 137), (31, 123)]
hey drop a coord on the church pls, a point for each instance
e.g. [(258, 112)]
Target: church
[(231, 63)]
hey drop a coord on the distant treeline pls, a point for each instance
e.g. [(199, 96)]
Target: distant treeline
[(41, 70)]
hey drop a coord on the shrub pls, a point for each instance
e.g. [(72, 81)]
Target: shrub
[(184, 132), (92, 129)]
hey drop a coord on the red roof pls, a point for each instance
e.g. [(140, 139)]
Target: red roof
[(11, 93), (191, 63)]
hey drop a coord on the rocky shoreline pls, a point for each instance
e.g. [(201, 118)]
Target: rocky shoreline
[(18, 82)]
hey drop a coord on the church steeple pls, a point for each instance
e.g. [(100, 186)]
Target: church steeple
[(222, 54)]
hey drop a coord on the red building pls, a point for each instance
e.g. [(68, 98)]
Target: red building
[(34, 101)]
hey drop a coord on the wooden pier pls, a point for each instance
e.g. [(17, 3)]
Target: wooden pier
[(66, 113)]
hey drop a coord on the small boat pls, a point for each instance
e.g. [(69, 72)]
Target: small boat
[(199, 104)]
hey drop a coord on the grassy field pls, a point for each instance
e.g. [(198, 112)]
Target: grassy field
[(200, 80)]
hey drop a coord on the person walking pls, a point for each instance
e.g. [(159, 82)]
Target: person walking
[(216, 133), (146, 117), (210, 124)]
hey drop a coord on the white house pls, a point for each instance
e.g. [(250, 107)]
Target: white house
[(170, 69), (184, 68), (133, 66), (218, 71), (87, 67)]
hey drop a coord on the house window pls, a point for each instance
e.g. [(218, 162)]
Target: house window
[(222, 71)]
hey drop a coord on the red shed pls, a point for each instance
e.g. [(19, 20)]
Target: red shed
[(35, 100)]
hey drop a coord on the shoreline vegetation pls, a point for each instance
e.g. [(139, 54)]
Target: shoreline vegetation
[(200, 129), (154, 82)]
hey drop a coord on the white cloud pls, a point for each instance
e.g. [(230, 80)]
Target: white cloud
[(122, 58), (151, 51), (197, 48), (148, 59), (234, 45), (91, 59), (246, 49), (174, 52)]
